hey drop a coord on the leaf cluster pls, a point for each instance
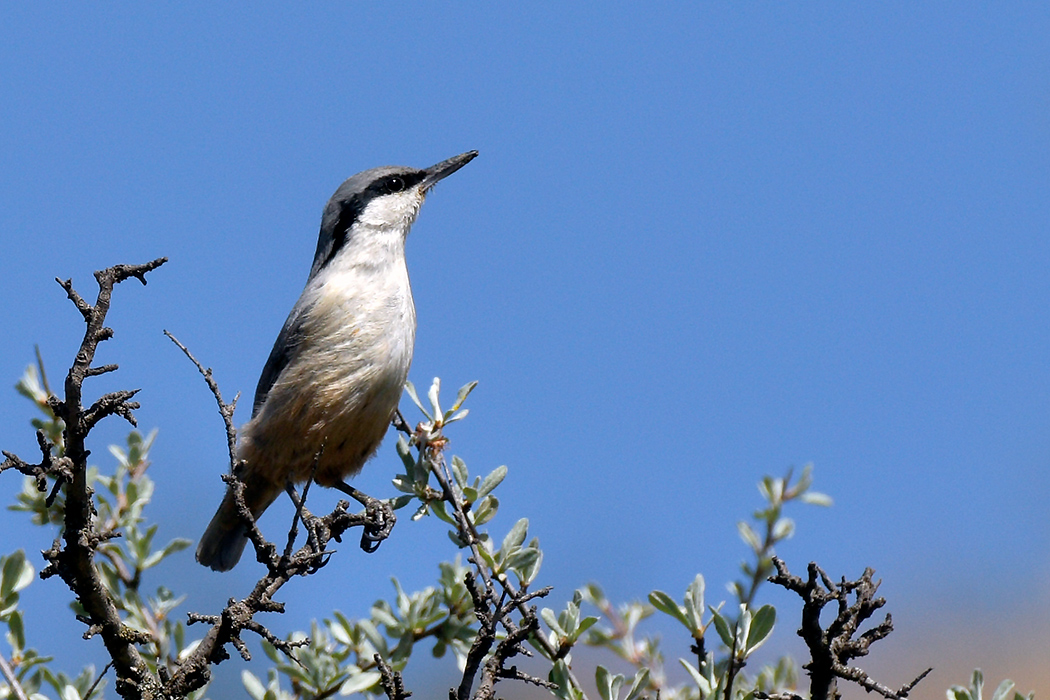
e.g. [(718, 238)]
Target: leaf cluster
[(482, 610)]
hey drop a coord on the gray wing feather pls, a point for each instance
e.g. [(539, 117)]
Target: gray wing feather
[(284, 349)]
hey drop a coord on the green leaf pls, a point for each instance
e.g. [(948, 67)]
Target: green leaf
[(405, 452), (1003, 692), (641, 680), (665, 604), (516, 536), (17, 637), (455, 417), (559, 675), (410, 389), (486, 510), (435, 389), (271, 652), (765, 487), (461, 396), (761, 626), (493, 480), (359, 682), (459, 471), (340, 634), (528, 570), (403, 649), (176, 545), (570, 618), (816, 498), (524, 557), (722, 627), (439, 510), (784, 528), (404, 484), (119, 454), (253, 685), (486, 554), (372, 636), (749, 536), (977, 683), (585, 624), (15, 574), (694, 605), (400, 502), (701, 682), (608, 684), (776, 490), (551, 619)]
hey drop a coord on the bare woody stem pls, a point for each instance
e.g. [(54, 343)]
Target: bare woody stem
[(489, 606), (71, 557), (74, 562), (832, 647)]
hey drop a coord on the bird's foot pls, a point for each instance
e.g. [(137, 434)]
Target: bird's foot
[(379, 517), (316, 531)]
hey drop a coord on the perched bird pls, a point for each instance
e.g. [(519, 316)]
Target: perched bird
[(334, 377)]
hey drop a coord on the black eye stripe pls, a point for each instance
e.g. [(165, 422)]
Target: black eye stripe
[(349, 209), (392, 184)]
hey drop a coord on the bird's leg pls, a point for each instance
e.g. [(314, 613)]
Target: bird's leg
[(380, 517), (399, 422), (316, 532), (299, 504), (308, 520)]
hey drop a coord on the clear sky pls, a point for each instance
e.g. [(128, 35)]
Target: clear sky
[(701, 243)]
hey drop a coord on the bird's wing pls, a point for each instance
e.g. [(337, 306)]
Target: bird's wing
[(284, 349)]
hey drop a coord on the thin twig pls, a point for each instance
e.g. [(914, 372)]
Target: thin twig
[(101, 675), (732, 669), (225, 409), (390, 680), (832, 648), (74, 562), (12, 680), (430, 449), (43, 372)]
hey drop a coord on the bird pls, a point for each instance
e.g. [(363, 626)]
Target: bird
[(332, 382)]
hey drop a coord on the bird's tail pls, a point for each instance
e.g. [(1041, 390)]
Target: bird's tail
[(223, 542)]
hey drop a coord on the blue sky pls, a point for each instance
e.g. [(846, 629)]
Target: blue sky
[(701, 243)]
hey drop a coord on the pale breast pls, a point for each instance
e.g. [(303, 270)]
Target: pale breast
[(340, 388)]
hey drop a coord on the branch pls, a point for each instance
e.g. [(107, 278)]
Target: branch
[(91, 690), (72, 556), (390, 680), (74, 562), (60, 469), (496, 669), (831, 649), (489, 606), (225, 409), (238, 615), (12, 680)]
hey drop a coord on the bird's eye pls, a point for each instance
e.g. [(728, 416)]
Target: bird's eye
[(395, 184)]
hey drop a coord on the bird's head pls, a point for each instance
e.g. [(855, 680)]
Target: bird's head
[(381, 202)]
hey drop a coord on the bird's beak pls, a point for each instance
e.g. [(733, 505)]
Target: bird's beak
[(445, 168)]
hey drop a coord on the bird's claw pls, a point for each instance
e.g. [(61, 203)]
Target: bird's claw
[(379, 517), (379, 521)]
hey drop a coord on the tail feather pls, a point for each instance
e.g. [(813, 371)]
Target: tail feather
[(223, 541)]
